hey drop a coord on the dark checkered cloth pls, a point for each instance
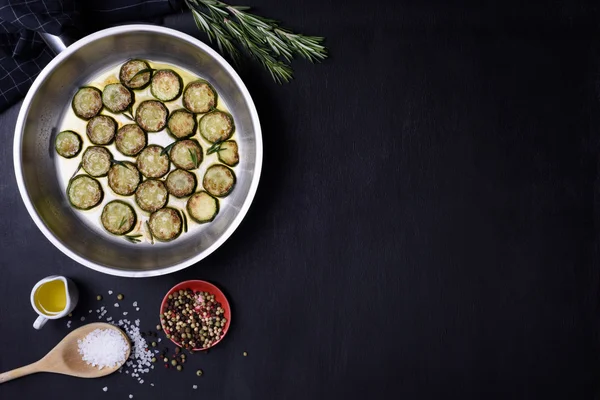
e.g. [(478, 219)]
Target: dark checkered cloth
[(23, 53)]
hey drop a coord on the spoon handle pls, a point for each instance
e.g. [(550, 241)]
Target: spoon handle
[(19, 372)]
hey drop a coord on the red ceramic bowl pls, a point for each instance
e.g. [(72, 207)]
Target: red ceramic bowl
[(200, 286)]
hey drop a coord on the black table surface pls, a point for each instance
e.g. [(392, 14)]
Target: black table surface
[(425, 225)]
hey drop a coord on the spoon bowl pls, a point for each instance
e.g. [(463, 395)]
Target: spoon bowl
[(65, 359)]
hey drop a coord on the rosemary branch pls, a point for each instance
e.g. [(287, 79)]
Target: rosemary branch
[(233, 28)]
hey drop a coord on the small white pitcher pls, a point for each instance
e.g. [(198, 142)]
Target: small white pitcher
[(72, 296)]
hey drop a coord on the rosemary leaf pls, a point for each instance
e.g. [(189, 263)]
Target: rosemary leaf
[(168, 148), (194, 157)]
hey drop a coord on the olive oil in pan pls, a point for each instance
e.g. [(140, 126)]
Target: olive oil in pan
[(67, 167)]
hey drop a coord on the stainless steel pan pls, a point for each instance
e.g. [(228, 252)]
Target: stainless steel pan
[(38, 123)]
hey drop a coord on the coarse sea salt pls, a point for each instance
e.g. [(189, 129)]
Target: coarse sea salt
[(103, 348)]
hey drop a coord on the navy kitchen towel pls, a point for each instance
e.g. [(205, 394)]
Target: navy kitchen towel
[(23, 53)]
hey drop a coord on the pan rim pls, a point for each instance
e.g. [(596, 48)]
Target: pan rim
[(18, 140)]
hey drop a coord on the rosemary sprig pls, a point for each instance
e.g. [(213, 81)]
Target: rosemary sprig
[(150, 232), (121, 163), (194, 157), (185, 225), (234, 28), (132, 238), (130, 115), (123, 220), (168, 148), (77, 170), (214, 148)]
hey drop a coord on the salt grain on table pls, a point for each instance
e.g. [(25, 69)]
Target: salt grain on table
[(110, 292), (116, 304), (105, 388)]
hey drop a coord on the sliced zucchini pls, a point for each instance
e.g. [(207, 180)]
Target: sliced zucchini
[(84, 192), (117, 98), (87, 102), (135, 74), (68, 144), (118, 217), (151, 195), (186, 154), (101, 129), (202, 207), (123, 178), (151, 115), (130, 139), (96, 161), (152, 163), (181, 183), (182, 124), (166, 85), (165, 224), (219, 180), (199, 96), (216, 126), (228, 153)]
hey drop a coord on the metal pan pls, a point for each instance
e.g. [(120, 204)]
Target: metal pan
[(35, 161)]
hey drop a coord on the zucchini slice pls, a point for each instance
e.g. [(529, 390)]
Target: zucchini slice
[(166, 85), (186, 154), (123, 178), (130, 139), (118, 217), (152, 163), (165, 224), (87, 102), (96, 161), (101, 129), (219, 180), (181, 183), (135, 74), (181, 124), (202, 207), (216, 126), (84, 192), (151, 115), (68, 144), (117, 98), (228, 153), (199, 96), (151, 195)]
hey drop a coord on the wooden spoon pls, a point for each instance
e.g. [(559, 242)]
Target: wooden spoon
[(65, 358)]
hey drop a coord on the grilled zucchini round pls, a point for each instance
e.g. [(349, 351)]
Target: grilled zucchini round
[(181, 183), (151, 195), (130, 139), (118, 217), (101, 129), (228, 153), (151, 115), (87, 102), (135, 74), (96, 161), (68, 144), (202, 207), (152, 163), (166, 85), (123, 178), (219, 180), (199, 97), (165, 224), (216, 126), (186, 154), (116, 97), (181, 124), (84, 192)]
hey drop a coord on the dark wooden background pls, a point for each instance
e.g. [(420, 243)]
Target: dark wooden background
[(425, 227)]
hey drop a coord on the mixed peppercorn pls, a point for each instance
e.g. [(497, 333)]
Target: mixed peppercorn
[(194, 320)]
